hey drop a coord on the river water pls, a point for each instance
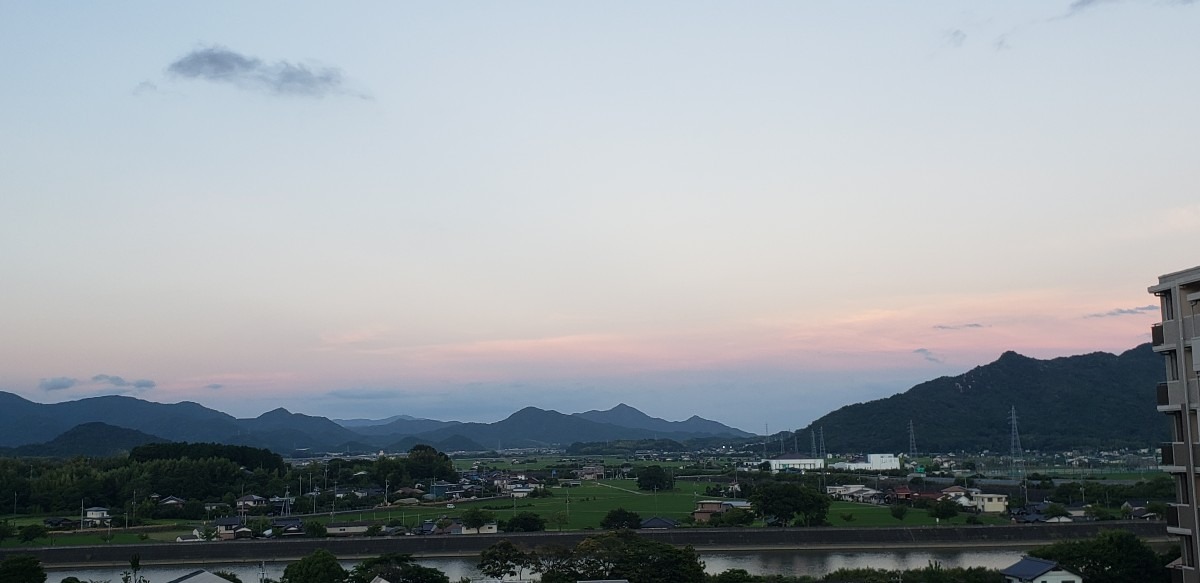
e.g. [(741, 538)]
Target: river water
[(757, 562)]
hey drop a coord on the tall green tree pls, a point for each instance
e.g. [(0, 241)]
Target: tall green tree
[(1113, 556), (474, 518), (32, 532), (620, 518), (503, 559), (395, 568), (319, 567), (654, 478), (525, 521), (788, 501), (22, 569), (944, 509)]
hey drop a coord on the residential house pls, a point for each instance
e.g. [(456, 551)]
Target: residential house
[(251, 501), (658, 523), (171, 501), (59, 523), (200, 576), (705, 509), (1035, 570), (96, 517), (231, 527), (595, 472)]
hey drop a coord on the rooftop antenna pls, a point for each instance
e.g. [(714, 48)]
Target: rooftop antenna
[(1017, 461), (912, 441)]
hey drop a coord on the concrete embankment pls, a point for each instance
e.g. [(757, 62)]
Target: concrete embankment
[(704, 539)]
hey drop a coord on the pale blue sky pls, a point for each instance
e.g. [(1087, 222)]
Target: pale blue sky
[(454, 210)]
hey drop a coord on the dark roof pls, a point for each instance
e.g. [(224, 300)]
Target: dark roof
[(658, 522), (228, 521), (1029, 568)]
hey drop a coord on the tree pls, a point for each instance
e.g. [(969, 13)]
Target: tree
[(560, 519), (6, 531), (395, 568), (620, 518), (1113, 556), (319, 567), (22, 569), (315, 529), (525, 521), (1056, 510), (899, 511), (622, 554), (732, 517), (654, 478), (946, 508), (32, 532), (474, 518), (783, 501), (503, 559)]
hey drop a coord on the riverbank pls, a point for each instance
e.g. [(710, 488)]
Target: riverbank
[(703, 539)]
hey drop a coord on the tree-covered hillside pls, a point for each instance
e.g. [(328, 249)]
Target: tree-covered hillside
[(1091, 400)]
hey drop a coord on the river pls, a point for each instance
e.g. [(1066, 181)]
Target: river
[(757, 562)]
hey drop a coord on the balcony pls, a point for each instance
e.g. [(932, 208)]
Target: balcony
[(1157, 338), (1180, 516), (1168, 454), (1184, 575), (1163, 395)]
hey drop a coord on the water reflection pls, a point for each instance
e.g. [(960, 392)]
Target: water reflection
[(759, 562)]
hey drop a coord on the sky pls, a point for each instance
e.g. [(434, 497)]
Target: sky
[(755, 212)]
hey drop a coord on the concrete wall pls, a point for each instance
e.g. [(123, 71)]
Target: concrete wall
[(702, 538)]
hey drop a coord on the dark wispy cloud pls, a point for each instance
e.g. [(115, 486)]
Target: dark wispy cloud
[(1123, 312), (218, 64), (57, 383), (363, 394), (1079, 6), (957, 326), (956, 37), (928, 354), (214, 386), (116, 381)]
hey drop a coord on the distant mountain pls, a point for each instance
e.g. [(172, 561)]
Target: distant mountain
[(400, 427), (356, 423), (300, 430), (450, 444), (625, 416), (24, 422), (88, 439), (533, 427), (1092, 400)]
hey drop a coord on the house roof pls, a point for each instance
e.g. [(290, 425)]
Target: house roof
[(228, 521), (1030, 568), (200, 576), (658, 522)]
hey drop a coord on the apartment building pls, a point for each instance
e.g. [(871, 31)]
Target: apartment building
[(1179, 397)]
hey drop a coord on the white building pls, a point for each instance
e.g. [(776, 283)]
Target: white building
[(876, 462), (793, 462)]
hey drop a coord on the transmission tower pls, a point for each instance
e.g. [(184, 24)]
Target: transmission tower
[(822, 442), (1017, 461), (813, 434), (912, 441)]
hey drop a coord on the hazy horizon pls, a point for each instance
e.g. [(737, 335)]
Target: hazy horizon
[(752, 213)]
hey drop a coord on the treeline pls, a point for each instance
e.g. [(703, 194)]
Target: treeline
[(625, 447), (63, 486), (248, 457)]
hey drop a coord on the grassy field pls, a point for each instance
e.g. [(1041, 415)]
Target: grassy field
[(583, 507)]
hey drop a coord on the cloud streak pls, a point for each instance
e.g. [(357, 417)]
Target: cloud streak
[(957, 326), (928, 354), (217, 64), (116, 381), (57, 383), (1123, 312)]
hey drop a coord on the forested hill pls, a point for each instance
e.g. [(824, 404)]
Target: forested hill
[(1092, 400)]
